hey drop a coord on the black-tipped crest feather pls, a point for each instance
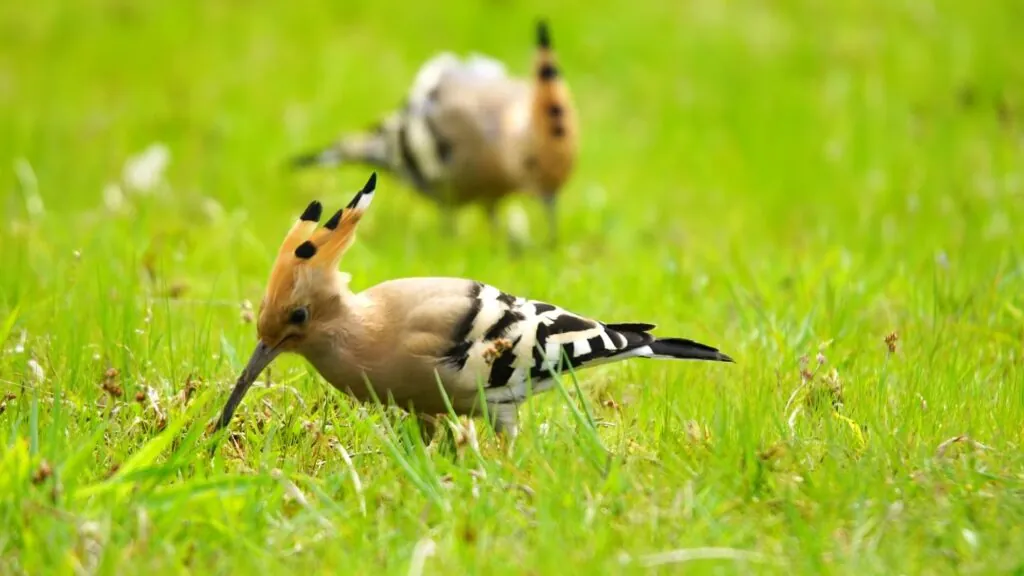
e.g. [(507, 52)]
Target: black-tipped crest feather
[(370, 186), (306, 250), (312, 212), (332, 224), (543, 35)]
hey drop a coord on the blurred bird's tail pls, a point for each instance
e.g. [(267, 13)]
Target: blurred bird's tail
[(406, 141), (367, 148)]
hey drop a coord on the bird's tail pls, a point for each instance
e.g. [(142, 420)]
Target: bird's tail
[(683, 349), (642, 344), (367, 148)]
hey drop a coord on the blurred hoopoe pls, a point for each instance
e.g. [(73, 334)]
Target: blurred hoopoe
[(398, 340), (469, 133)]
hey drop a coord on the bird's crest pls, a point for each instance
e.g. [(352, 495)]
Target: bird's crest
[(554, 119), (307, 247)]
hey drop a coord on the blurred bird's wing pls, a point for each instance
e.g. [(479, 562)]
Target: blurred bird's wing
[(447, 67), (464, 126), (471, 95)]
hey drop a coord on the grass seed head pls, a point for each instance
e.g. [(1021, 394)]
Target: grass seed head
[(191, 385), (110, 385), (890, 341), (177, 289), (42, 473), (610, 403), (246, 313)]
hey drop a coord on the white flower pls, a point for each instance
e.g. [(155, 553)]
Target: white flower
[(113, 197), (29, 187), (145, 171), (212, 209), (38, 374), (971, 537)]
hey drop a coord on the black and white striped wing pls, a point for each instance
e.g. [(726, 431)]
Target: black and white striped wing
[(511, 344)]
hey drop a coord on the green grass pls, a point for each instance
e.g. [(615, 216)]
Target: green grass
[(775, 178)]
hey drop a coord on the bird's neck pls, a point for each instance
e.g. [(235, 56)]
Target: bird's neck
[(346, 344)]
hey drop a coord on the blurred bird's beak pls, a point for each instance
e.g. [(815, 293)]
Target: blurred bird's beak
[(261, 357)]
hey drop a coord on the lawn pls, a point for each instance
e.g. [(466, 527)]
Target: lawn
[(825, 190)]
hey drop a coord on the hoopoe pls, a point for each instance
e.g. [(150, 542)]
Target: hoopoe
[(469, 133), (405, 339)]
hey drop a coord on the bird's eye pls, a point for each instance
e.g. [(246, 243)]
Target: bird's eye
[(298, 316)]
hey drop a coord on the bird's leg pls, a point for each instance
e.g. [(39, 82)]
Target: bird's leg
[(515, 247), (428, 427), (447, 207), (448, 221), (492, 218), (505, 418), (550, 201)]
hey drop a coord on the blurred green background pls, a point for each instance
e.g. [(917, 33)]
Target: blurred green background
[(776, 178)]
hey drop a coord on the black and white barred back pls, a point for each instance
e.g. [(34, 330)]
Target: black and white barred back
[(511, 345)]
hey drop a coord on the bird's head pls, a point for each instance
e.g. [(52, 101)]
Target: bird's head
[(303, 292)]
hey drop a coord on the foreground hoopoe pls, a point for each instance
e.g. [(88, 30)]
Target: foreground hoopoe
[(399, 338), (470, 133)]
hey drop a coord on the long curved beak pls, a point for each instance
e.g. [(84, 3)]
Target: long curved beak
[(261, 357)]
